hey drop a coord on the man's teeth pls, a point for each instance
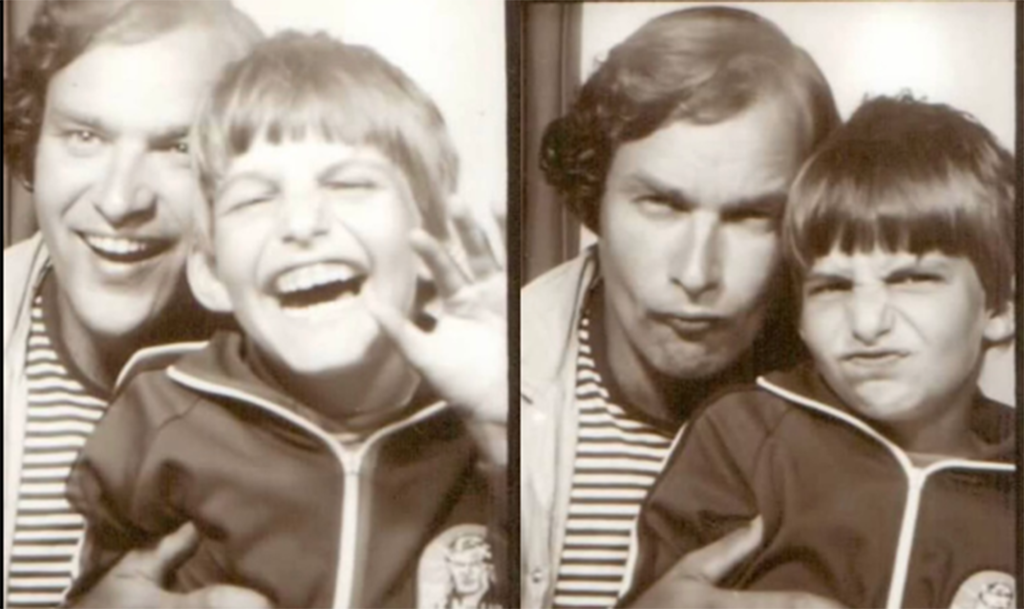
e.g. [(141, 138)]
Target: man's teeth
[(309, 277), (116, 246)]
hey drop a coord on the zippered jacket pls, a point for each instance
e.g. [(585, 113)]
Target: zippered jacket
[(847, 514), (283, 507)]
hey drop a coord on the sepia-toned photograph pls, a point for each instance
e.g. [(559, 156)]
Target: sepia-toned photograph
[(497, 304), (255, 341), (768, 316)]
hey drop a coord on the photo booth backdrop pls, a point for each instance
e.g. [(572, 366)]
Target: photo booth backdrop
[(957, 53), (454, 49)]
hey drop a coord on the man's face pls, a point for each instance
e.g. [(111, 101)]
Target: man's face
[(897, 336), (303, 232), (113, 186), (688, 244)]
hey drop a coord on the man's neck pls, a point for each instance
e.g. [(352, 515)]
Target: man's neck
[(97, 359)]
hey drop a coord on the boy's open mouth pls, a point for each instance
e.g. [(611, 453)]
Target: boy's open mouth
[(307, 287)]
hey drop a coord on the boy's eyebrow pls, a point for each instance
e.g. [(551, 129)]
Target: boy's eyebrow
[(254, 175), (326, 172)]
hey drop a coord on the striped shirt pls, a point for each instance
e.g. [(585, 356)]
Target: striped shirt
[(617, 460), (61, 416)]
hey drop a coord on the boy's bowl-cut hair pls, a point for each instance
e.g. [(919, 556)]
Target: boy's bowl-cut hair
[(905, 175), (701, 65), (295, 86), (63, 30)]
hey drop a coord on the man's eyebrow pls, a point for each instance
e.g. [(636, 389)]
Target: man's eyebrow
[(68, 115), (773, 203), (171, 135), (677, 196)]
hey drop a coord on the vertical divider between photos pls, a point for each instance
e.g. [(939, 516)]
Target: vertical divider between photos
[(1019, 366), (513, 239)]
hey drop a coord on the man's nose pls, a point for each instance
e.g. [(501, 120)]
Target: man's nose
[(305, 218), (869, 313), (125, 194), (697, 266)]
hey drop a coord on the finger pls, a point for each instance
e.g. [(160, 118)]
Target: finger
[(216, 597), (482, 261), (155, 563), (714, 561), (411, 341), (446, 272)]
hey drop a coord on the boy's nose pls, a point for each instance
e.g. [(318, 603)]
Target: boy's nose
[(124, 194), (869, 314), (697, 265), (304, 219)]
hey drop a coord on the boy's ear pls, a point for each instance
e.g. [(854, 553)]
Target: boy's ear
[(1000, 327), (202, 278)]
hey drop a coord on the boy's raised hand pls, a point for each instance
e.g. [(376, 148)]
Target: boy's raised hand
[(465, 356)]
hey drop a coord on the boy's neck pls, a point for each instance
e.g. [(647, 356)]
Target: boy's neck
[(946, 433), (360, 396)]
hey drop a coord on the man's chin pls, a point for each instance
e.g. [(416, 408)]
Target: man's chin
[(694, 363)]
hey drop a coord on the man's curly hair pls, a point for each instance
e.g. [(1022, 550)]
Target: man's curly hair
[(64, 29), (702, 65)]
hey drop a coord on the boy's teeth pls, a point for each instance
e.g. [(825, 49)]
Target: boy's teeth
[(116, 246), (309, 277)]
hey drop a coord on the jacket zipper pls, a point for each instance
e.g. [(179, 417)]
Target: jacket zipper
[(916, 478), (351, 466)]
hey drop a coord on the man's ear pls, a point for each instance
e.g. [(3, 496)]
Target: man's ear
[(202, 278), (1000, 327)]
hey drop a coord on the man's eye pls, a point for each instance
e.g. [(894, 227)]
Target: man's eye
[(82, 140), (179, 147)]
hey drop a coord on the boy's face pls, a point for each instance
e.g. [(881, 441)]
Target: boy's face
[(898, 337), (302, 232), (113, 189)]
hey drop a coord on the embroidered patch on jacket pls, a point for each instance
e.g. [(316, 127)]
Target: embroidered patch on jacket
[(986, 590), (456, 571)]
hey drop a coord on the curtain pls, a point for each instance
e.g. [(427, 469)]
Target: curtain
[(19, 218), (550, 79)]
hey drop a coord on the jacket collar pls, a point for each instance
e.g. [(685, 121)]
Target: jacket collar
[(552, 305), (227, 367), (994, 423)]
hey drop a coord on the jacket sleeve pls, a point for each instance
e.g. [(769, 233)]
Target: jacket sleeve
[(122, 486), (704, 492)]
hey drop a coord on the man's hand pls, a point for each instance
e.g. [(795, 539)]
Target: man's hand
[(136, 581), (465, 356), (691, 582)]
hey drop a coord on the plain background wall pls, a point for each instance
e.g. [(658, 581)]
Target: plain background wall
[(957, 53), (454, 49)]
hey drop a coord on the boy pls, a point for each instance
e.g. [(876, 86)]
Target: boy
[(883, 477), (327, 450)]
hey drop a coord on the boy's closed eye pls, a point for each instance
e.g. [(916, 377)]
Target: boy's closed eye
[(821, 285), (244, 193)]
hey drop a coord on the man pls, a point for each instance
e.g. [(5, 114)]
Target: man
[(678, 154), (97, 107)]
